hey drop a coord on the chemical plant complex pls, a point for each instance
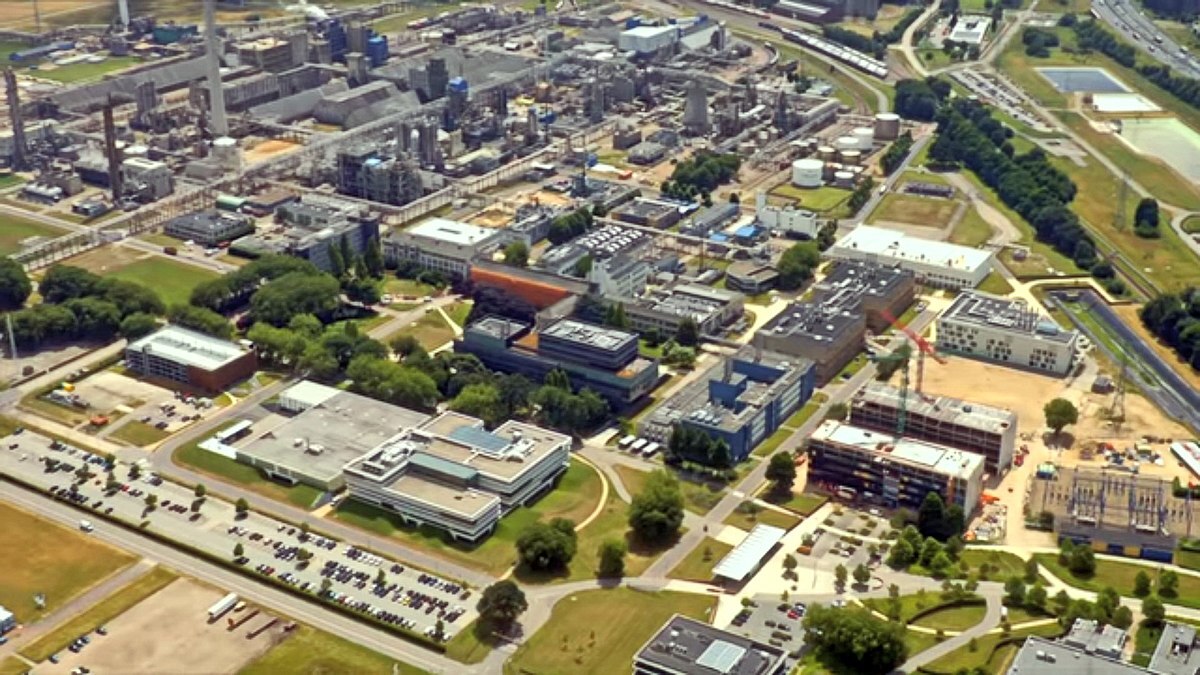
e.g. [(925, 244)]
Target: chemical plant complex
[(684, 337)]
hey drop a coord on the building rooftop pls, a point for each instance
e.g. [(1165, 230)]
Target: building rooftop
[(467, 504), (650, 31), (748, 269), (1094, 637), (931, 456), (498, 327), (1008, 314), (750, 553), (685, 645), (1039, 656), (893, 245), (850, 280), (692, 300), (820, 322), (189, 348), (589, 334), (451, 232), (646, 208), (1177, 652), (985, 418)]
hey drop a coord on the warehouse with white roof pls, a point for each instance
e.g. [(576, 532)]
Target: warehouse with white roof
[(935, 263)]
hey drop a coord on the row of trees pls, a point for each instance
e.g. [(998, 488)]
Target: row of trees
[(896, 152), (1175, 318), (235, 288), (15, 286), (861, 194), (877, 44), (694, 445)]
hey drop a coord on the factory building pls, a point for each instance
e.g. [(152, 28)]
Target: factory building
[(446, 246), (935, 263), (654, 213), (1006, 331), (208, 229), (366, 174), (146, 179), (310, 228), (648, 39), (710, 219), (878, 467), (743, 400), (685, 645), (664, 309), (982, 429), (599, 358), (191, 358), (751, 278), (789, 220)]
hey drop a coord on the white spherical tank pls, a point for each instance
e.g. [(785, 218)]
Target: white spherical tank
[(846, 143), (807, 172), (865, 137), (887, 126), (136, 151), (851, 156)]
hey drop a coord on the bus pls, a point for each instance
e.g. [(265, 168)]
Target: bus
[(638, 445), (626, 442), (650, 450)]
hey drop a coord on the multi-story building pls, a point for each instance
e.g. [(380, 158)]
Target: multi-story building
[(192, 358), (310, 228), (446, 246), (452, 474), (751, 278), (148, 179), (649, 213), (978, 428), (687, 646), (1006, 331), (208, 229), (1040, 656), (895, 472), (935, 263), (743, 400), (365, 173), (599, 358), (664, 309), (787, 219)]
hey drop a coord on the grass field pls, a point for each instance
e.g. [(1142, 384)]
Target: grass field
[(826, 199), (1121, 576), (81, 72), (459, 311), (972, 230), (803, 503), (408, 287), (575, 497), (139, 433), (173, 281), (431, 330), (953, 618), (987, 655), (196, 458), (699, 564), (913, 604), (746, 519), (13, 229), (54, 560), (309, 651), (1191, 225), (995, 284), (99, 614), (600, 631), (697, 498), (914, 210)]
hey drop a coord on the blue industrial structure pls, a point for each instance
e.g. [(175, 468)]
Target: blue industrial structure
[(377, 50)]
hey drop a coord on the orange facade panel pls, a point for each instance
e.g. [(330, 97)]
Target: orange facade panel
[(536, 293)]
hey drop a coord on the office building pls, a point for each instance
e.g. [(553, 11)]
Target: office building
[(599, 358), (1006, 331), (878, 467), (664, 309), (1094, 637), (1177, 652), (742, 399), (687, 646), (788, 219), (935, 263), (208, 228), (191, 358), (446, 246), (978, 428), (654, 213), (1039, 656), (751, 278), (310, 228), (452, 474)]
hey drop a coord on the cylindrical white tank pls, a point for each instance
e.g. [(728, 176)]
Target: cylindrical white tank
[(826, 153), (865, 137), (137, 151), (226, 152), (887, 126), (846, 143), (843, 178), (851, 156), (807, 172)]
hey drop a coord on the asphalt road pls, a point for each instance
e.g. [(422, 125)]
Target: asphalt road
[(1125, 17)]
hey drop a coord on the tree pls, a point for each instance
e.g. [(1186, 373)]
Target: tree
[(373, 258), (501, 604), (1141, 584), (688, 333), (840, 574), (1146, 219), (1122, 617), (200, 319), (516, 254), (615, 316), (200, 490), (381, 578), (1153, 610), (855, 638), (862, 575), (1031, 570), (1168, 583), (901, 555), (151, 501), (583, 266), (1014, 591), (1061, 602), (403, 345), (295, 293), (547, 546), (303, 555), (781, 471), (15, 286), (242, 506), (612, 559), (1035, 597), (657, 511), (304, 528), (1107, 601), (137, 325), (1059, 413), (480, 400), (238, 550), (789, 564), (1082, 561), (796, 265)]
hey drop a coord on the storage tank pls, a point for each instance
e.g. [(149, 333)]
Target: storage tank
[(865, 137), (225, 151), (826, 153), (807, 172), (843, 178), (137, 151), (846, 143), (887, 126), (851, 156)]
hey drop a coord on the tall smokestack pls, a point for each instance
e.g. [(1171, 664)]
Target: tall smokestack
[(216, 95), (19, 160), (110, 151), (123, 8)]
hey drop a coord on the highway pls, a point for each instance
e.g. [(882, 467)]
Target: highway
[(1127, 18)]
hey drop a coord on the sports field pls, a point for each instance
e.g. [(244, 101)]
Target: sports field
[(172, 280)]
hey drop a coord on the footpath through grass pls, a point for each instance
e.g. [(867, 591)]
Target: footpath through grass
[(1121, 576), (989, 654), (699, 498), (601, 631), (309, 651), (99, 614)]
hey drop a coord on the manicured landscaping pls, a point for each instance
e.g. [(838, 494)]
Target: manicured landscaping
[(957, 618), (698, 498), (790, 426), (772, 442), (172, 281), (914, 604), (431, 330), (1191, 225), (99, 614), (459, 311), (989, 654), (1003, 564), (822, 200), (14, 229), (408, 287), (139, 434), (972, 230), (601, 631), (914, 210), (802, 503), (194, 457), (54, 560), (748, 514), (309, 651), (699, 564), (1121, 576), (995, 284)]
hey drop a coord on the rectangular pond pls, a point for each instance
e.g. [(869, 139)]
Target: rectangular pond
[(1092, 80)]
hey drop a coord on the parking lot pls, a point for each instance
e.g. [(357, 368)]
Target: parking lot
[(358, 579), (772, 621)]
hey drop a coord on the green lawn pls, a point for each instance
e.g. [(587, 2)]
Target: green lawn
[(431, 330), (1188, 559), (851, 369), (1191, 225), (915, 603), (81, 72), (772, 442), (54, 560), (1121, 576), (173, 281), (745, 519), (699, 564), (399, 22), (697, 497), (914, 210), (139, 433), (8, 180), (198, 459), (953, 618), (790, 425), (408, 287), (802, 503), (600, 631), (995, 284), (459, 311), (822, 200), (972, 230), (99, 614), (308, 651), (13, 229), (988, 654)]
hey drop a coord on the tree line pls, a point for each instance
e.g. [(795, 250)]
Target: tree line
[(1092, 35), (896, 152), (877, 44), (1175, 319)]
